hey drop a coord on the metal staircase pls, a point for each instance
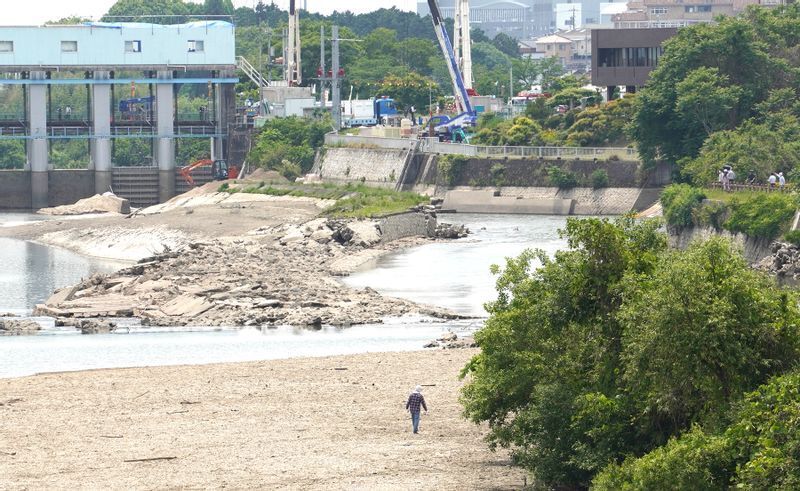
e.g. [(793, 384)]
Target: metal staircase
[(251, 72)]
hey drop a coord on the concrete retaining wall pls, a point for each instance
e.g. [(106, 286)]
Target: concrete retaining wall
[(754, 249), (15, 189), (66, 186), (379, 167), (409, 224)]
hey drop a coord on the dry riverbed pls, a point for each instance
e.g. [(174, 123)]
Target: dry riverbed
[(316, 423), (214, 259)]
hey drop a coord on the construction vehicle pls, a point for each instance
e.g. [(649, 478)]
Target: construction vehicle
[(220, 170), (445, 127)]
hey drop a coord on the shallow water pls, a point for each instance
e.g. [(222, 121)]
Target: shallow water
[(455, 274), (452, 274)]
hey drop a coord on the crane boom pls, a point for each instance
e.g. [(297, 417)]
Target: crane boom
[(294, 74), (460, 90), (462, 42)]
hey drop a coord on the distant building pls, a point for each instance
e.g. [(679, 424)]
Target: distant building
[(520, 19), (625, 57), (555, 45), (678, 13)]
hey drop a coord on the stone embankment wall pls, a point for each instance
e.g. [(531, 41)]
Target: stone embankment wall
[(754, 249), (378, 167), (516, 185)]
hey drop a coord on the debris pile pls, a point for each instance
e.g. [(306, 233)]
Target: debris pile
[(276, 276), (784, 262), (99, 203), (450, 340)]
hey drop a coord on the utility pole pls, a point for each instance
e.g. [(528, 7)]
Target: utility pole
[(322, 71), (337, 97), (510, 81)]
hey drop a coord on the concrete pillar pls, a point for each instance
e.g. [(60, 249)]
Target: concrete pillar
[(101, 127), (225, 116), (37, 146), (165, 141)]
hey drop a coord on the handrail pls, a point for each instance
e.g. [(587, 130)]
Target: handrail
[(250, 71), (433, 145)]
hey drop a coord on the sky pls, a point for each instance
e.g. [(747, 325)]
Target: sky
[(37, 12)]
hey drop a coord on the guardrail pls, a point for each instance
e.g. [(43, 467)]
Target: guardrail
[(433, 145)]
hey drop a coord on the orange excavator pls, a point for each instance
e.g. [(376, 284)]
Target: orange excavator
[(220, 170)]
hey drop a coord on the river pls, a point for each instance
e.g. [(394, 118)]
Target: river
[(452, 274)]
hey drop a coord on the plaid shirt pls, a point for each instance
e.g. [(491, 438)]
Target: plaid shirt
[(414, 401)]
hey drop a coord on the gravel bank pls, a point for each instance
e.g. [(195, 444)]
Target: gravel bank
[(316, 423)]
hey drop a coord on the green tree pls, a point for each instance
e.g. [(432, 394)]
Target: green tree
[(507, 45), (218, 7), (12, 154), (289, 144), (740, 60), (545, 379), (699, 333)]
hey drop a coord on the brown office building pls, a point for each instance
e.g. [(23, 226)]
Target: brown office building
[(625, 57)]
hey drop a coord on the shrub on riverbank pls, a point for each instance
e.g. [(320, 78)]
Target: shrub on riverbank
[(679, 200), (616, 347)]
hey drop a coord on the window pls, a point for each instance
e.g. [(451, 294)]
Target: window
[(133, 46), (658, 10), (690, 9), (196, 46), (69, 46), (6, 46)]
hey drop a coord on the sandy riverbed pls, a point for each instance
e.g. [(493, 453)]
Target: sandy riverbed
[(316, 423)]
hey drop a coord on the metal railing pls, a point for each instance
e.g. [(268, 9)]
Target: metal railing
[(433, 145), (251, 72)]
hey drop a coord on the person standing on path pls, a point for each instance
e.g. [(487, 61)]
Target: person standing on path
[(415, 400)]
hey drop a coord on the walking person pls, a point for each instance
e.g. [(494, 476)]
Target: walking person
[(781, 180), (726, 182), (772, 180), (415, 400)]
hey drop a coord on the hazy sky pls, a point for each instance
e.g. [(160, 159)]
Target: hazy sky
[(35, 12)]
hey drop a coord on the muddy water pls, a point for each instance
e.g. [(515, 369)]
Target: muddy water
[(453, 274)]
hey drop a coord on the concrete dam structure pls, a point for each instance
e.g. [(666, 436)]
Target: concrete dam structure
[(99, 56)]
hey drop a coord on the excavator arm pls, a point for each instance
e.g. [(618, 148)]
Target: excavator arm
[(186, 170)]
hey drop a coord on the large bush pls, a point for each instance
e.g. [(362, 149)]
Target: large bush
[(759, 450), (293, 140), (678, 201), (761, 215), (616, 345)]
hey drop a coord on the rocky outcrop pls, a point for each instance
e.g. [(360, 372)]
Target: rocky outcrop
[(783, 263), (450, 340), (275, 276), (18, 327)]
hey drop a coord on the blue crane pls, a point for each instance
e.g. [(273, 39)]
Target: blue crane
[(451, 128)]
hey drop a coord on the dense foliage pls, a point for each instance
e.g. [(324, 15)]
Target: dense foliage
[(594, 125), (760, 449), (720, 91), (756, 214), (616, 345), (288, 145), (679, 201)]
